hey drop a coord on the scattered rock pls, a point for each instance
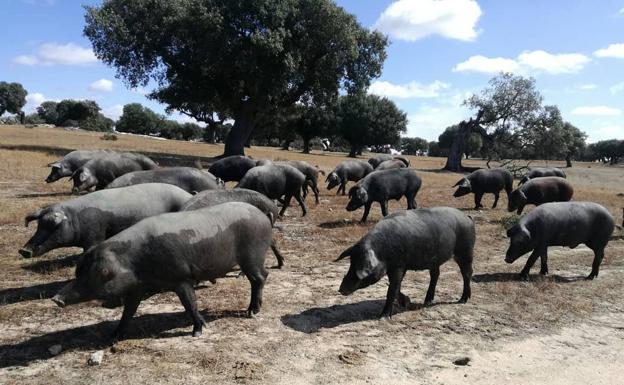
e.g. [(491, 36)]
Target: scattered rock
[(351, 358), (462, 361), (55, 349), (96, 358), (330, 209)]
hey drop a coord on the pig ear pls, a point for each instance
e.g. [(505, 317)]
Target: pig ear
[(55, 164), (31, 217), (344, 254), (370, 263), (526, 232), (460, 182), (523, 195), (59, 217)]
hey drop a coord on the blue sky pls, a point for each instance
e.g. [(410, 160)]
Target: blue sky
[(441, 51)]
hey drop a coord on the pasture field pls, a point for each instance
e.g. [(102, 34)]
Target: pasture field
[(558, 329)]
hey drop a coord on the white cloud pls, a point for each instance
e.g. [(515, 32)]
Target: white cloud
[(33, 100), (597, 111), (621, 11), (526, 62), (409, 90), (103, 85), (616, 88), (430, 120), (487, 65), (113, 112), (587, 87), (613, 50), (412, 20), (553, 63), (57, 54)]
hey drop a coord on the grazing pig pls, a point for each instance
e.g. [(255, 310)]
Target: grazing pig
[(560, 224), (421, 239), (538, 191), (211, 198), (349, 170), (485, 181), (276, 181), (188, 179), (71, 162), (542, 172), (100, 172), (90, 219), (377, 160), (390, 164), (232, 168), (381, 186), (311, 174), (174, 252)]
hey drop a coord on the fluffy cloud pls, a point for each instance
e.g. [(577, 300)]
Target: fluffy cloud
[(617, 88), (113, 112), (409, 90), (33, 100), (429, 120), (596, 111), (526, 62), (103, 85), (57, 54), (614, 50), (487, 65), (607, 132), (587, 87), (412, 20)]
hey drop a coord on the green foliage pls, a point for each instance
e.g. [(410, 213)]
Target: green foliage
[(606, 151), (12, 98), (98, 122), (235, 58), (76, 110), (435, 150), (414, 146), (368, 120), (471, 146), (33, 119), (108, 136), (137, 119), (171, 129), (48, 113)]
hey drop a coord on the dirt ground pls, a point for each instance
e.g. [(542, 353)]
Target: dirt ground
[(558, 329)]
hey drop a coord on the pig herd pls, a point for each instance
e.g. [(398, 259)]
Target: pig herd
[(147, 229)]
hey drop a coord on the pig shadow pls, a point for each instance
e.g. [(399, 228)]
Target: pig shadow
[(44, 194), (48, 265), (340, 224), (97, 336), (312, 320), (513, 277), (30, 293)]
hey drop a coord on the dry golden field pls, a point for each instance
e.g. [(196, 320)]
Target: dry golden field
[(558, 329)]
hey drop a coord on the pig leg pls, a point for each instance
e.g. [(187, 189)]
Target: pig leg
[(187, 296), (395, 277), (544, 263), (434, 273), (278, 254), (301, 203), (598, 255), (256, 279), (131, 304), (384, 208), (524, 274), (367, 207), (287, 199), (316, 192), (343, 187), (477, 199), (411, 202), (495, 200), (465, 266)]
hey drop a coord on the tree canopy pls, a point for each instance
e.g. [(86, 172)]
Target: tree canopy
[(12, 98), (414, 146), (235, 58)]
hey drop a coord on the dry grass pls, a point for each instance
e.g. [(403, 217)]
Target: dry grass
[(306, 332)]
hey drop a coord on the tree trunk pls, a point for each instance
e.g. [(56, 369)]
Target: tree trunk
[(354, 151), (239, 134), (456, 152), (209, 137), (286, 144), (306, 146), (568, 160)]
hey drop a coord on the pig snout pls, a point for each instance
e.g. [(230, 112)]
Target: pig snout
[(59, 300)]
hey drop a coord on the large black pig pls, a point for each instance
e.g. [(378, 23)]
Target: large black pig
[(485, 181)]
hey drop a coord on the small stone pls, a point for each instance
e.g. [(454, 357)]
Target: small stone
[(330, 209), (462, 361), (96, 358), (55, 349)]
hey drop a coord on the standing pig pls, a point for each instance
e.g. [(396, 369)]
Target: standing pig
[(211, 198), (188, 179), (539, 191), (560, 224), (232, 168), (311, 174), (71, 162), (100, 172), (381, 186), (390, 164), (276, 181), (542, 172), (174, 252), (485, 181), (349, 170), (377, 160), (421, 239), (90, 219)]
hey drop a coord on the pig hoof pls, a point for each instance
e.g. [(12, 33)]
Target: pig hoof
[(197, 333), (385, 318), (590, 277), (544, 272), (404, 301), (523, 277), (462, 300)]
